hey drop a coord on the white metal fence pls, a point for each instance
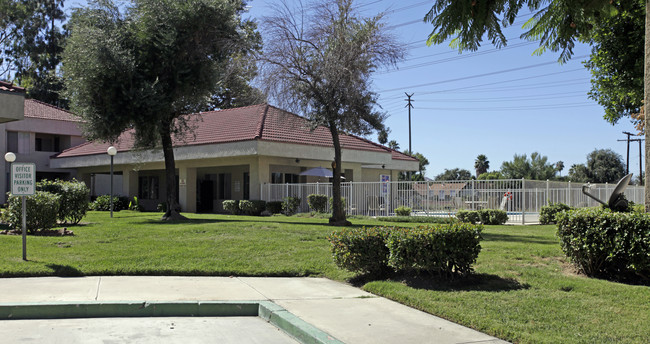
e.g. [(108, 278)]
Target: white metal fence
[(521, 199)]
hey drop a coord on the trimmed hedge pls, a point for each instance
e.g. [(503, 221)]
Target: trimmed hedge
[(103, 203), (548, 212), (274, 207), (447, 250), (484, 216), (290, 205), (403, 211), (231, 206), (417, 219), (317, 203), (606, 244), (361, 249), (42, 211), (254, 207), (73, 203)]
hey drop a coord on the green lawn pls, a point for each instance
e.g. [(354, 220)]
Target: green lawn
[(524, 291)]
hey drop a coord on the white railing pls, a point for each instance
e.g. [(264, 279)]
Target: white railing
[(521, 199)]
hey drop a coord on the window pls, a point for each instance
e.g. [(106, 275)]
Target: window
[(247, 185), (12, 141), (291, 178), (148, 187), (224, 186), (280, 178), (47, 143), (276, 178)]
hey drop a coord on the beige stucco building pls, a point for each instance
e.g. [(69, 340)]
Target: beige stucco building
[(41, 132), (230, 155)]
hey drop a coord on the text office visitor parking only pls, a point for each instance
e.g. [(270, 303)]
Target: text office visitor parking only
[(23, 178)]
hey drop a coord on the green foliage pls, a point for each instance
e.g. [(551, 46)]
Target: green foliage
[(343, 202), (491, 175), (607, 244), (253, 208), (617, 60), (535, 168), (103, 203), (73, 202), (290, 205), (556, 24), (481, 165), (454, 174), (42, 211), (603, 166), (231, 206), (317, 203), (417, 219), (274, 207), (403, 211), (134, 205), (361, 249), (484, 216), (468, 216), (446, 250), (548, 212)]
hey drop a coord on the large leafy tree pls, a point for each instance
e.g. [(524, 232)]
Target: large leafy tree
[(318, 60), (422, 167), (536, 167), (32, 41), (454, 174), (481, 164), (557, 24), (603, 166), (147, 67)]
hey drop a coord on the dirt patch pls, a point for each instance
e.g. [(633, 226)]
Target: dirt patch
[(42, 232)]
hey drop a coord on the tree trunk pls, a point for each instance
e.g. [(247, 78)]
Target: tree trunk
[(172, 212), (338, 214), (646, 103)]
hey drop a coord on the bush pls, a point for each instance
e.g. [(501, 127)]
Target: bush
[(290, 205), (361, 249), (468, 216), (446, 250), (417, 219), (606, 244), (103, 203), (317, 203), (231, 206), (254, 208), (134, 205), (403, 211), (73, 202), (42, 211), (274, 207), (548, 212), (492, 216)]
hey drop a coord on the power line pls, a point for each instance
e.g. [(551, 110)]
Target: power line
[(512, 108)]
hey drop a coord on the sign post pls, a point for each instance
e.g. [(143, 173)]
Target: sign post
[(23, 183)]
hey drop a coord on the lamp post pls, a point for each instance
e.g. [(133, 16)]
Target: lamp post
[(10, 158), (111, 151)]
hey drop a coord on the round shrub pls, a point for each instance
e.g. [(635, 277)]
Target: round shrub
[(254, 208), (103, 203), (548, 212), (468, 216), (290, 205), (361, 249), (42, 211), (231, 206), (606, 244), (403, 211), (446, 250), (73, 202), (317, 203), (274, 207), (492, 216)]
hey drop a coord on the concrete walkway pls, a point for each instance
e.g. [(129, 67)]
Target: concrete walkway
[(342, 311)]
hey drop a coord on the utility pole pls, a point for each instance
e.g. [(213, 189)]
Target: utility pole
[(627, 160), (409, 106)]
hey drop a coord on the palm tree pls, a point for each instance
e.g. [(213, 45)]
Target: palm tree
[(481, 164), (559, 166)]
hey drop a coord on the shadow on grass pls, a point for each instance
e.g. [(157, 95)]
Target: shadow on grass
[(65, 270), (230, 220), (473, 282), (517, 238)]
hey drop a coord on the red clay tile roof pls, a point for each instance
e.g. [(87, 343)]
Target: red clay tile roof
[(9, 87), (256, 122), (38, 109)]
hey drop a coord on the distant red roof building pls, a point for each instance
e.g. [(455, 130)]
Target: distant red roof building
[(40, 110), (257, 122), (9, 87)]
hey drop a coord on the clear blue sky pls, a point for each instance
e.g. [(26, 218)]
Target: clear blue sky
[(539, 106)]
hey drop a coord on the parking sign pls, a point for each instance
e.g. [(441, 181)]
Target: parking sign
[(23, 178)]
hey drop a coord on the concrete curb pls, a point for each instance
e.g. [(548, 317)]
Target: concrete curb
[(269, 311)]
